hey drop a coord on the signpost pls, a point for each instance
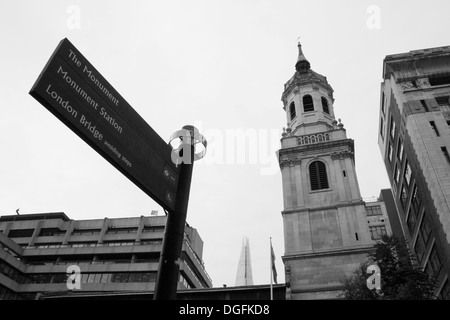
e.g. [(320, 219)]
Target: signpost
[(77, 94)]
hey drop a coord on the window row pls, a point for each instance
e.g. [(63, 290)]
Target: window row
[(92, 244), (117, 277), (112, 230), (373, 211), (48, 232), (13, 273), (91, 261), (82, 232), (7, 294), (308, 106)]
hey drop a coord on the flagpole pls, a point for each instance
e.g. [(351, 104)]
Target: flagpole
[(271, 287)]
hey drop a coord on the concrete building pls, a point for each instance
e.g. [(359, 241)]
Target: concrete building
[(326, 231), (119, 255), (377, 218), (391, 210), (414, 139)]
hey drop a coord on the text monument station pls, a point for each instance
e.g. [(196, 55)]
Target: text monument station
[(77, 94)]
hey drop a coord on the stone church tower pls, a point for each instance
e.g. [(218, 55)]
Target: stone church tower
[(326, 234)]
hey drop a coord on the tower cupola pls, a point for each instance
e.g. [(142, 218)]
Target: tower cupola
[(308, 99)]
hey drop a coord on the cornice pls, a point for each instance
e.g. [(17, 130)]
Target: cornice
[(321, 208), (342, 155), (329, 252), (330, 147), (290, 162)]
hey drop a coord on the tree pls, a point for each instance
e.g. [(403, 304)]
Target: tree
[(400, 278)]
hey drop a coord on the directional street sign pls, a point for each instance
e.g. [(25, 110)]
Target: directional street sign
[(77, 94)]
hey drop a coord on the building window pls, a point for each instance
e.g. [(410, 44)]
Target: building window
[(308, 104), (445, 291), (404, 196), (185, 282), (382, 102), (412, 219), (415, 199), (373, 211), (325, 105), (408, 173), (59, 278), (80, 232), (377, 232), (424, 105), (21, 233), (292, 112), (114, 230), (425, 229), (438, 81), (382, 128), (419, 248), (118, 243), (120, 277), (442, 101), (7, 294), (397, 173), (392, 128), (434, 263), (49, 232), (318, 175), (435, 129), (445, 153), (391, 151), (153, 229), (400, 149)]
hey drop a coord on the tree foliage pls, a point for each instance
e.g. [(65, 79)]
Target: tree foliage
[(401, 279)]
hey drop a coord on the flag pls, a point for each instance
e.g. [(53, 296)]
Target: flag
[(272, 260)]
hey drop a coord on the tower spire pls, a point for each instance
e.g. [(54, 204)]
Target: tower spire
[(302, 65)]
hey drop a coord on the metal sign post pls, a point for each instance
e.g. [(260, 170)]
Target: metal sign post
[(169, 261), (78, 95)]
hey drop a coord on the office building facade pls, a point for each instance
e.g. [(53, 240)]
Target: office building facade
[(50, 254), (414, 139), (377, 218)]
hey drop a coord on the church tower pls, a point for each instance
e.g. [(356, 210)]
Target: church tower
[(326, 234)]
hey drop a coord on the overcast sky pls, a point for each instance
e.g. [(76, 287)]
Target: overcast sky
[(218, 65)]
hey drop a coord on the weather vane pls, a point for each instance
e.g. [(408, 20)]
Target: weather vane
[(298, 40)]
